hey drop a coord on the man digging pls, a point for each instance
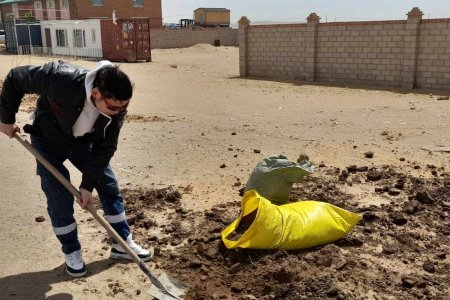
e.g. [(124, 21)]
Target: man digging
[(78, 117)]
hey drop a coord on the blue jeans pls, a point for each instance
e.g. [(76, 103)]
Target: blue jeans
[(60, 201)]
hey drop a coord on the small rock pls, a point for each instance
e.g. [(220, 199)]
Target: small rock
[(441, 255), (233, 133), (222, 166), (215, 296), (400, 185), (234, 268), (408, 281), (443, 98), (302, 157), (369, 154), (398, 218), (424, 197), (362, 169), (40, 219), (369, 216), (340, 265), (379, 190), (374, 175), (237, 287), (352, 169), (429, 266), (411, 207), (394, 192), (332, 292), (256, 151), (422, 284), (212, 252), (390, 248), (195, 264), (169, 229), (204, 270), (402, 159)]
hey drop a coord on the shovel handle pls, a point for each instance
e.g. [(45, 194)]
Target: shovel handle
[(66, 183)]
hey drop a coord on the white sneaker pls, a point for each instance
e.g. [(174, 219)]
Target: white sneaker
[(74, 264), (117, 252)]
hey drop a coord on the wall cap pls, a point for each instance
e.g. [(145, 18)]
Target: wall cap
[(415, 13), (313, 18)]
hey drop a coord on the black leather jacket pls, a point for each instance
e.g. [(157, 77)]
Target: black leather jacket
[(62, 92)]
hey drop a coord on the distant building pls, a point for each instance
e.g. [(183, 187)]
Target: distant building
[(212, 17), (88, 9)]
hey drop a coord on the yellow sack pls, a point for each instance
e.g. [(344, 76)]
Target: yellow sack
[(291, 226)]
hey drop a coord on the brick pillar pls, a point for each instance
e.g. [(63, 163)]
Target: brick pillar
[(411, 41), (244, 25), (313, 21)]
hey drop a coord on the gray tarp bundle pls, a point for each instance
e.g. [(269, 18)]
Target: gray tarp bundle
[(274, 176)]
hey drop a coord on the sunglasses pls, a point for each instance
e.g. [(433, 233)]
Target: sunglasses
[(115, 107)]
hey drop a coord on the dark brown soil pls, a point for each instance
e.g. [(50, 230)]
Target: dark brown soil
[(143, 119), (399, 250)]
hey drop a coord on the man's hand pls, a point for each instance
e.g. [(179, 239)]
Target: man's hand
[(86, 198), (9, 129)]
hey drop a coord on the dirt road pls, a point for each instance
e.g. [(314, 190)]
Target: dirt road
[(195, 125)]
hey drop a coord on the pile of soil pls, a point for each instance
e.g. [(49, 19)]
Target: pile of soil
[(399, 250)]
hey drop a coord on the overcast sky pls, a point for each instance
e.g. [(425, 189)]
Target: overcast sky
[(298, 10)]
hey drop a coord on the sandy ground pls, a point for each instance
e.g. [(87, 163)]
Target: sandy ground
[(201, 115)]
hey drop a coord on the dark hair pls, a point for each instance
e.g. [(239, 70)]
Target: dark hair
[(113, 83)]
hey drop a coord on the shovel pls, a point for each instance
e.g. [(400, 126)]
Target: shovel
[(162, 288)]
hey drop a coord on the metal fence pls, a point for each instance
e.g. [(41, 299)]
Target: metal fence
[(81, 53)]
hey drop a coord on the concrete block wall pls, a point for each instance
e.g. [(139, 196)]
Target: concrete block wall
[(433, 55), (363, 54), (277, 51), (412, 53), (186, 37)]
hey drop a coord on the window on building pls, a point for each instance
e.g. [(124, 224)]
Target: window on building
[(79, 38), (138, 3), (94, 37), (97, 2), (51, 4), (61, 38), (64, 3), (37, 5)]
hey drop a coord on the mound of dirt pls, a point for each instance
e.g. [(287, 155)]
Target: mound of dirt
[(398, 250), (202, 47)]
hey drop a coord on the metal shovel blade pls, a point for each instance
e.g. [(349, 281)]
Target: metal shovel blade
[(174, 288)]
